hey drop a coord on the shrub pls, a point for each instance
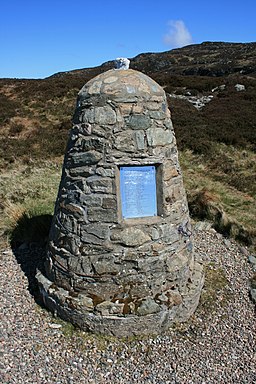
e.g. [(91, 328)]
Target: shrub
[(15, 129), (8, 108)]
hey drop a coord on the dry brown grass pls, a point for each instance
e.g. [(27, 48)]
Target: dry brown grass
[(11, 214), (28, 191), (233, 212)]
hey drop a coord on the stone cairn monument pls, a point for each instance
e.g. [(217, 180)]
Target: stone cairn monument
[(120, 257)]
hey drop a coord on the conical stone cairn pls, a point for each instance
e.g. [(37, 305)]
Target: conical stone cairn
[(120, 257)]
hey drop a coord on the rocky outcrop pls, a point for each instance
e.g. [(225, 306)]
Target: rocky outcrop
[(197, 102)]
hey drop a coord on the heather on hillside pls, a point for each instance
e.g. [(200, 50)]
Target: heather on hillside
[(218, 139)]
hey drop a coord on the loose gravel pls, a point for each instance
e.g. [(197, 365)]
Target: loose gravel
[(218, 345)]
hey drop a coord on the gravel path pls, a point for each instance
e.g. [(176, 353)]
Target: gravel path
[(217, 346)]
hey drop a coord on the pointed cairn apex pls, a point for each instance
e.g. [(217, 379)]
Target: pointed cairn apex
[(122, 63)]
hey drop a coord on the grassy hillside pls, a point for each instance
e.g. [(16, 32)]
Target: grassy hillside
[(217, 143)]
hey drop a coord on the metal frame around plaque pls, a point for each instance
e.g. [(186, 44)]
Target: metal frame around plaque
[(138, 191)]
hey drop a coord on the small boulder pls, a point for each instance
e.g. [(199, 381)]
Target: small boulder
[(239, 87)]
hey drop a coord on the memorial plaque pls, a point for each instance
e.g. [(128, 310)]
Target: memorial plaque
[(138, 191)]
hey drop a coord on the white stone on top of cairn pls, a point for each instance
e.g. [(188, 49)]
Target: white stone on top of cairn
[(122, 63)]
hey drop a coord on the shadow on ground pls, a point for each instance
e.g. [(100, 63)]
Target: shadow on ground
[(28, 242)]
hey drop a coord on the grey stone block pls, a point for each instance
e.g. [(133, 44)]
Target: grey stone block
[(86, 158), (130, 237), (140, 139), (158, 115), (104, 116), (100, 184), (102, 215), (99, 229), (139, 122), (158, 136)]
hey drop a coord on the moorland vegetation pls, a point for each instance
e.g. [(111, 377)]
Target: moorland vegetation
[(216, 143)]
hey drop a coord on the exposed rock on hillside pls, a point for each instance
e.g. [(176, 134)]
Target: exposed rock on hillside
[(197, 102)]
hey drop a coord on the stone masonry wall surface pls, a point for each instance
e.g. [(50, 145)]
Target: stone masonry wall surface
[(106, 274)]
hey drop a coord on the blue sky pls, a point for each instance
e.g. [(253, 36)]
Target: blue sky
[(39, 38)]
